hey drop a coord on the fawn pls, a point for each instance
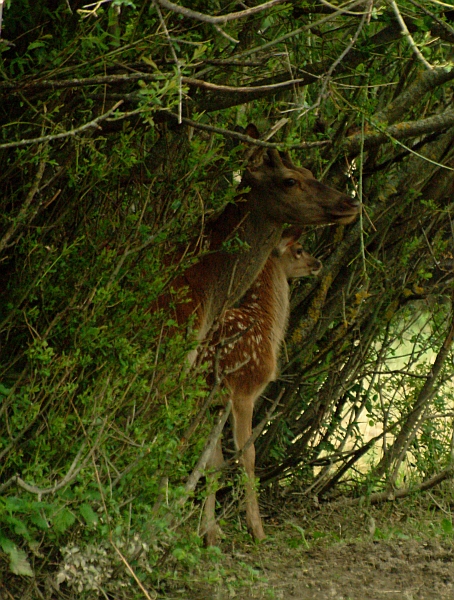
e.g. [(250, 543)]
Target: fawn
[(245, 351)]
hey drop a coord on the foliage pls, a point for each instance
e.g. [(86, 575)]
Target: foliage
[(119, 139)]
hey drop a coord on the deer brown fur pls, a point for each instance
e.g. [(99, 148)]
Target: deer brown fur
[(245, 351), (279, 193)]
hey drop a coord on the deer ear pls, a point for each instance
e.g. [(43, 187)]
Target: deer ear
[(273, 158), (286, 160)]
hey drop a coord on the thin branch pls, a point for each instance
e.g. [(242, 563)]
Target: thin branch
[(407, 34), (132, 572), (443, 24), (175, 58), (343, 11), (207, 452), (339, 59), (198, 16), (70, 475), (129, 77), (391, 495), (20, 217), (246, 138), (59, 136)]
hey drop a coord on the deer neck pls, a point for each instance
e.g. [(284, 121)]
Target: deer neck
[(232, 272)]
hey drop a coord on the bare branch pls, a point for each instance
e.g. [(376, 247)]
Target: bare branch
[(18, 219), (198, 16), (391, 495), (245, 138), (207, 452), (59, 136), (407, 34)]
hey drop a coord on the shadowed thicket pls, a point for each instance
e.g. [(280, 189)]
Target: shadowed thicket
[(121, 135)]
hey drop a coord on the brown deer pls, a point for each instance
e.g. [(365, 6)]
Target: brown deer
[(279, 193), (244, 351)]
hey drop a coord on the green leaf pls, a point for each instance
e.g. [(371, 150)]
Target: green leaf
[(446, 525), (89, 515), (18, 563), (4, 391), (39, 521), (63, 520)]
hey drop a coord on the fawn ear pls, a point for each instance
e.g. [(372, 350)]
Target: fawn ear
[(289, 237)]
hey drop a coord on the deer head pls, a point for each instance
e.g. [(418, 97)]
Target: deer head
[(291, 194)]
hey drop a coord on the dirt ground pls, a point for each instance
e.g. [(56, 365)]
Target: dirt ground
[(403, 550), (406, 570), (391, 570), (339, 556)]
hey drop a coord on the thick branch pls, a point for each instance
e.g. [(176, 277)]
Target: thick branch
[(424, 83), (400, 131)]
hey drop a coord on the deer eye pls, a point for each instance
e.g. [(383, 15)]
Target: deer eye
[(289, 182)]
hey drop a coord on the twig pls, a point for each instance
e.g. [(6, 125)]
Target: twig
[(207, 452), (343, 11), (29, 199), (226, 35), (246, 138), (70, 475), (407, 34), (193, 14), (340, 58), (131, 570), (175, 58), (59, 136)]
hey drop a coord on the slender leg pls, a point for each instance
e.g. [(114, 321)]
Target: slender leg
[(210, 529), (242, 430)]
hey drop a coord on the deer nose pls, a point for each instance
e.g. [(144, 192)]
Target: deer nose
[(317, 267), (352, 202)]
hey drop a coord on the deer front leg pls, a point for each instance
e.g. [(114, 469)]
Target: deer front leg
[(242, 430), (210, 529)]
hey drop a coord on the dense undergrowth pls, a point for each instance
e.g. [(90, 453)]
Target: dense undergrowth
[(101, 423)]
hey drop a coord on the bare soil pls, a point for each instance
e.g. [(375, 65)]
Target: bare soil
[(402, 550), (338, 555)]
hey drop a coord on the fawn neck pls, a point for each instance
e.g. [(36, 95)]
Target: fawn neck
[(268, 299)]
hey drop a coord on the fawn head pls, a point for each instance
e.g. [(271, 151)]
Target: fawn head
[(293, 259)]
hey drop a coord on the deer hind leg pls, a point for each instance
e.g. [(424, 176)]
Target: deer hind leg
[(210, 529), (242, 430)]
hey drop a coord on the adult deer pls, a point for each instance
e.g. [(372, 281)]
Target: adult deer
[(244, 351), (279, 193)]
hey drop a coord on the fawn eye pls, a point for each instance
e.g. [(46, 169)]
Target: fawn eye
[(289, 182)]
